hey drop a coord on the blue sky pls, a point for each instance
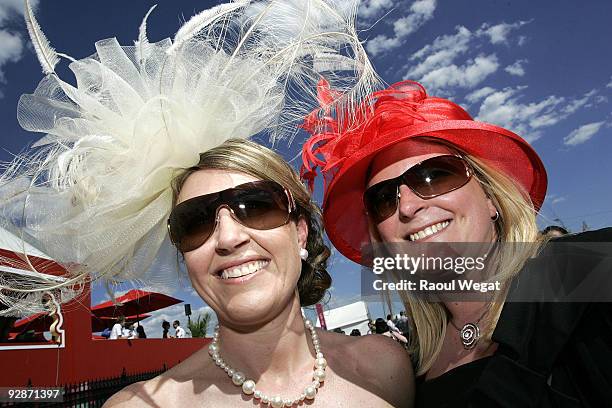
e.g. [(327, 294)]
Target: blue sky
[(542, 69)]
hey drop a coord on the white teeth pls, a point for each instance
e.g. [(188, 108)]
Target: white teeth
[(242, 270), (432, 229)]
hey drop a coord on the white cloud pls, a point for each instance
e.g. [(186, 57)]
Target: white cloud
[(557, 200), (582, 134), (382, 43), (516, 68), (586, 101), (189, 289), (479, 94), (609, 84), (450, 44), (420, 12), (600, 99), (499, 33), (374, 8), (438, 66), (11, 8), (505, 108), (466, 76), (442, 52), (343, 300), (11, 43), (116, 294), (11, 49), (551, 200)]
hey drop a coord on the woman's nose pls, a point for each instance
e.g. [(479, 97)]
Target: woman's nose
[(229, 233), (409, 203)]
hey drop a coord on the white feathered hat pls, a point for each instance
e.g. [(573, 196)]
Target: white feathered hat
[(94, 192)]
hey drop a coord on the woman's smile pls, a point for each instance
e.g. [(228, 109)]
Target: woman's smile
[(242, 272)]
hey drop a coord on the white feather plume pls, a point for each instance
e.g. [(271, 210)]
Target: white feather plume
[(94, 192), (143, 46), (47, 56), (202, 20)]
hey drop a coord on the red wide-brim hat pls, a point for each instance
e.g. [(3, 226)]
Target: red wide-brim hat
[(344, 148)]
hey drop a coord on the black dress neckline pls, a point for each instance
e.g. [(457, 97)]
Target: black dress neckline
[(549, 354)]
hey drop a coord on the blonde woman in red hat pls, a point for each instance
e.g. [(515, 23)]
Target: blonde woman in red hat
[(412, 169)]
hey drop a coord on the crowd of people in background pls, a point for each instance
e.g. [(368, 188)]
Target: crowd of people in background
[(397, 328), (123, 330)]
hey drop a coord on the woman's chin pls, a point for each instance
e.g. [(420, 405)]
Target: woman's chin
[(251, 308)]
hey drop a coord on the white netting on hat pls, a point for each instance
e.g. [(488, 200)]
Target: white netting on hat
[(94, 193)]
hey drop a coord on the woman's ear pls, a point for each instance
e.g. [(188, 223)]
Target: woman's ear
[(493, 212), (302, 232)]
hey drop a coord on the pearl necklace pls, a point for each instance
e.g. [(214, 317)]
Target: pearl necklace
[(249, 387)]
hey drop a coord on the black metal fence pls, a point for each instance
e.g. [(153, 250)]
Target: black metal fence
[(92, 393)]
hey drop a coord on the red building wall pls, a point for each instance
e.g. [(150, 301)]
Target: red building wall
[(83, 359)]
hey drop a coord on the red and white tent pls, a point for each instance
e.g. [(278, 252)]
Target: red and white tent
[(13, 253)]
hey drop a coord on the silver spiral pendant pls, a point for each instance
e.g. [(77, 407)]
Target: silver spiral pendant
[(470, 333)]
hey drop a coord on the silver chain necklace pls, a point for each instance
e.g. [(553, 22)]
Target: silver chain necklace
[(249, 387)]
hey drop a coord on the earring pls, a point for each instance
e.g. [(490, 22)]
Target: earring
[(496, 217), (303, 254)]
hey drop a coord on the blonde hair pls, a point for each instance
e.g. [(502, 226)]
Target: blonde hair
[(516, 223), (258, 161)]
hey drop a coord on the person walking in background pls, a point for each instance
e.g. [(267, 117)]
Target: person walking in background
[(371, 327), (140, 332), (383, 328), (391, 324), (166, 328), (403, 324), (128, 331), (179, 331), (117, 330)]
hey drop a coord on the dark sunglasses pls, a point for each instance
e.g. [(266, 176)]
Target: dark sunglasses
[(260, 205), (427, 179)]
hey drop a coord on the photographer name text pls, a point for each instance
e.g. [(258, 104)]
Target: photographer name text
[(424, 285)]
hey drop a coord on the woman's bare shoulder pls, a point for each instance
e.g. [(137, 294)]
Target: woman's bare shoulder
[(378, 359), (151, 393), (165, 390), (361, 347)]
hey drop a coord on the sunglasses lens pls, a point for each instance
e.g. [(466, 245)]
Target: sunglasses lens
[(437, 176), (259, 205), (433, 177), (381, 200), (263, 207), (192, 222)]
